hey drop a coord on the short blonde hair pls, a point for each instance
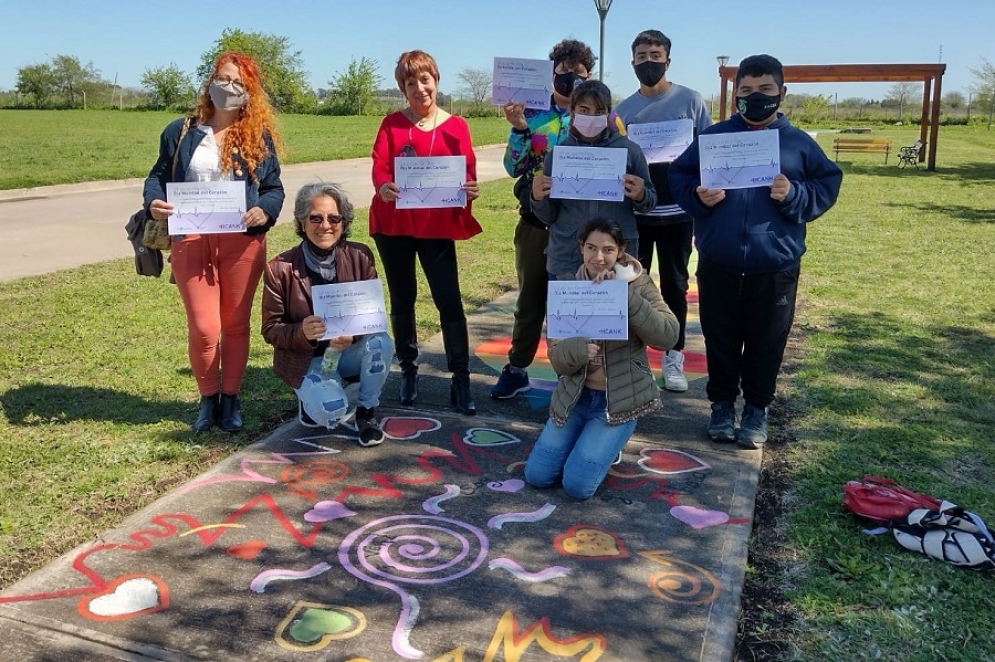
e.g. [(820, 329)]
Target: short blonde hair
[(413, 63)]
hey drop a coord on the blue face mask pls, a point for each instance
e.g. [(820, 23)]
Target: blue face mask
[(757, 107)]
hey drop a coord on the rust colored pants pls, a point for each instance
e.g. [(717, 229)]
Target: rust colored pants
[(217, 275)]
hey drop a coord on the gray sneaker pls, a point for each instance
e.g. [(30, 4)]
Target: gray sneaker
[(752, 431), (673, 372), (722, 425)]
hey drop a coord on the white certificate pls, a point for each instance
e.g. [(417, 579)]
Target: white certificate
[(662, 142), (745, 159), (350, 309), (599, 311), (522, 81), (428, 182), (206, 207), (588, 173)]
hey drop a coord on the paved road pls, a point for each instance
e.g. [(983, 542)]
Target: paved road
[(33, 221)]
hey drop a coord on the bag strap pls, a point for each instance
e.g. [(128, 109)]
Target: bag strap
[(176, 153)]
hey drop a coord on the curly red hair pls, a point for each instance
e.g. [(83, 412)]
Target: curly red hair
[(256, 120)]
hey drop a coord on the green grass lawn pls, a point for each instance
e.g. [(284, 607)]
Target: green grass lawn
[(892, 373), (896, 377), (41, 147)]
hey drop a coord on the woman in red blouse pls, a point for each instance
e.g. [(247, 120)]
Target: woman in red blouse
[(401, 235)]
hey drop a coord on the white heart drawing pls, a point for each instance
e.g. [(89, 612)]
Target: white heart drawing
[(130, 597)]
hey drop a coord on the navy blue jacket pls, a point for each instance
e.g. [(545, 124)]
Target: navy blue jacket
[(749, 232), (264, 191)]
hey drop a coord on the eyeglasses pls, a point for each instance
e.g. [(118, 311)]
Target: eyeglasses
[(318, 219), (237, 85)]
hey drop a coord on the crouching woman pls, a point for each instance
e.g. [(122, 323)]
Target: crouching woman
[(322, 217), (604, 385)]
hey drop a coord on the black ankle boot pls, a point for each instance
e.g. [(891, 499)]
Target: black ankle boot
[(209, 414), (409, 387), (231, 413), (459, 395)]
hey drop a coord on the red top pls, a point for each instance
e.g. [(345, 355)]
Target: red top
[(452, 138)]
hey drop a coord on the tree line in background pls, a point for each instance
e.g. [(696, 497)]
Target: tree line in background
[(65, 82)]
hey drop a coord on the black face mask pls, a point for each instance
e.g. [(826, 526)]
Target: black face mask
[(758, 106), (564, 84), (649, 72)]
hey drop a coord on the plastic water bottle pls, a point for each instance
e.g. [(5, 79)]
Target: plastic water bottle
[(330, 363)]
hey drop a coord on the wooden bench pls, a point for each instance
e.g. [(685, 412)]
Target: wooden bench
[(862, 145)]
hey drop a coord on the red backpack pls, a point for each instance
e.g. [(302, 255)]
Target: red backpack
[(922, 523), (884, 501)]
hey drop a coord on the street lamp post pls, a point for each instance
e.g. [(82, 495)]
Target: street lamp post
[(602, 6), (722, 59)]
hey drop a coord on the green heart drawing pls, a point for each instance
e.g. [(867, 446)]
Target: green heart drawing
[(489, 437), (317, 623)]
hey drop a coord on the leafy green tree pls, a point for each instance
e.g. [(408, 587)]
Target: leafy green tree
[(167, 85), (984, 87), (72, 78), (284, 76), (355, 89), (815, 108), (38, 80)]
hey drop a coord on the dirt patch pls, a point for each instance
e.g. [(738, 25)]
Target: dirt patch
[(768, 622)]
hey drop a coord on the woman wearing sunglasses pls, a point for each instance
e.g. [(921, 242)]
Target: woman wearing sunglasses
[(430, 234), (232, 136), (322, 218)]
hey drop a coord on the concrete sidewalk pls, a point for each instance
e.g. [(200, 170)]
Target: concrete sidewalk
[(305, 546)]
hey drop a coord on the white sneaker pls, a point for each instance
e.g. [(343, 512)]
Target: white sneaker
[(673, 372)]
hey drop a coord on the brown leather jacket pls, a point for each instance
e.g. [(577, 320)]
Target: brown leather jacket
[(287, 301)]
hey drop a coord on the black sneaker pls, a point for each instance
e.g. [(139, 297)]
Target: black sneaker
[(510, 383), (370, 433), (752, 431), (722, 425)]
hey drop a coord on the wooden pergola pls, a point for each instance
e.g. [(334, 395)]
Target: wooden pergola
[(929, 74)]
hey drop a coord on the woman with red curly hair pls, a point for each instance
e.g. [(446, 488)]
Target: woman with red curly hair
[(232, 136)]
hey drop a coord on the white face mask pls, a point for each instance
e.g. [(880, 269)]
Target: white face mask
[(590, 126), (226, 97)]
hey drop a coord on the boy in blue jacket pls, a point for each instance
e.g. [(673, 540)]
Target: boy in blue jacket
[(750, 243)]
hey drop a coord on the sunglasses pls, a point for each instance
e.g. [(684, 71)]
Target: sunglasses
[(318, 219)]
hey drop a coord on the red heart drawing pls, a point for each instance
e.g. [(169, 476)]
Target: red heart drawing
[(670, 461), (408, 427), (126, 597), (248, 551)]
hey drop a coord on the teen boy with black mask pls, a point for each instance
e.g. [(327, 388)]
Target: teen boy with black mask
[(667, 228), (750, 243)]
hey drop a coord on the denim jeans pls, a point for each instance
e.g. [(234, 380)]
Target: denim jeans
[(368, 359), (582, 451)]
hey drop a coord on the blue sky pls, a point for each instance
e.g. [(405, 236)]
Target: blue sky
[(123, 38)]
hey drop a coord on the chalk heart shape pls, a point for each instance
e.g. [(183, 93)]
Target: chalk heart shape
[(247, 551), (591, 542), (489, 437), (512, 485), (311, 626), (326, 511), (408, 427), (126, 597), (697, 518), (670, 461)]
